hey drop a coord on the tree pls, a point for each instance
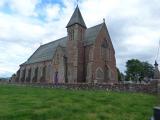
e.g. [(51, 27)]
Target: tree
[(148, 70), (120, 75), (137, 70)]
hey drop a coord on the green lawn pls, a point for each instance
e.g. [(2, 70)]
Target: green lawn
[(27, 103)]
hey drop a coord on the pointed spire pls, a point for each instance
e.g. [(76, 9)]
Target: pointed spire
[(76, 19)]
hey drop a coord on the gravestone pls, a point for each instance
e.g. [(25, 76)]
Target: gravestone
[(157, 113), (158, 86)]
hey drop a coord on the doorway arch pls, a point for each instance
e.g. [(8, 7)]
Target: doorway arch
[(56, 77)]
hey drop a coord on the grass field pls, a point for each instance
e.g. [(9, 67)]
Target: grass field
[(27, 103)]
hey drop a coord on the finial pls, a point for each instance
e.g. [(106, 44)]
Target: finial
[(103, 20)]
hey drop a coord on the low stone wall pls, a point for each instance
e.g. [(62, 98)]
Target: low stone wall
[(151, 88)]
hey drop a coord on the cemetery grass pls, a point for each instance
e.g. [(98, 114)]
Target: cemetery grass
[(30, 103)]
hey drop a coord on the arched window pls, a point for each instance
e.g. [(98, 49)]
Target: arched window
[(43, 77), (29, 75), (91, 54), (81, 35), (71, 34), (99, 73), (36, 75), (110, 53), (48, 71), (23, 75), (44, 72), (57, 58), (104, 49), (104, 44)]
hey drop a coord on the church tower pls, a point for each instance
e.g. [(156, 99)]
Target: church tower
[(75, 49)]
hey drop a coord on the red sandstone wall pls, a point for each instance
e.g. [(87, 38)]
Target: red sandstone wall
[(98, 61)]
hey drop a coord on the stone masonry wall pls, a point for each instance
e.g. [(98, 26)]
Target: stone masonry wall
[(151, 88), (109, 62)]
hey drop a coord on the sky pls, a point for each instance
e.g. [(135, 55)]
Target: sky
[(134, 27)]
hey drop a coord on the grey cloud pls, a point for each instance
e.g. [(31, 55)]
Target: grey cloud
[(120, 29)]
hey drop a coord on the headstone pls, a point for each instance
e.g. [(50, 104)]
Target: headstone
[(157, 113), (158, 86)]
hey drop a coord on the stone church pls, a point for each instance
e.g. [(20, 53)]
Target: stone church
[(85, 55)]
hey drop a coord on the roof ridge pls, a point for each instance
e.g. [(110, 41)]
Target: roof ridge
[(96, 25), (101, 25), (66, 36), (54, 41)]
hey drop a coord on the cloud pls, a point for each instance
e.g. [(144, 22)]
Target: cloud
[(135, 31), (24, 7), (15, 29), (12, 54), (52, 12), (134, 27)]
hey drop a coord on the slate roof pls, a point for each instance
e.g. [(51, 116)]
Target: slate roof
[(46, 52), (76, 19)]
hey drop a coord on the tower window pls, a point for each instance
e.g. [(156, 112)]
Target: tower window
[(71, 35), (81, 34), (99, 73)]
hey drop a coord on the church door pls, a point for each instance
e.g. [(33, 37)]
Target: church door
[(56, 77)]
